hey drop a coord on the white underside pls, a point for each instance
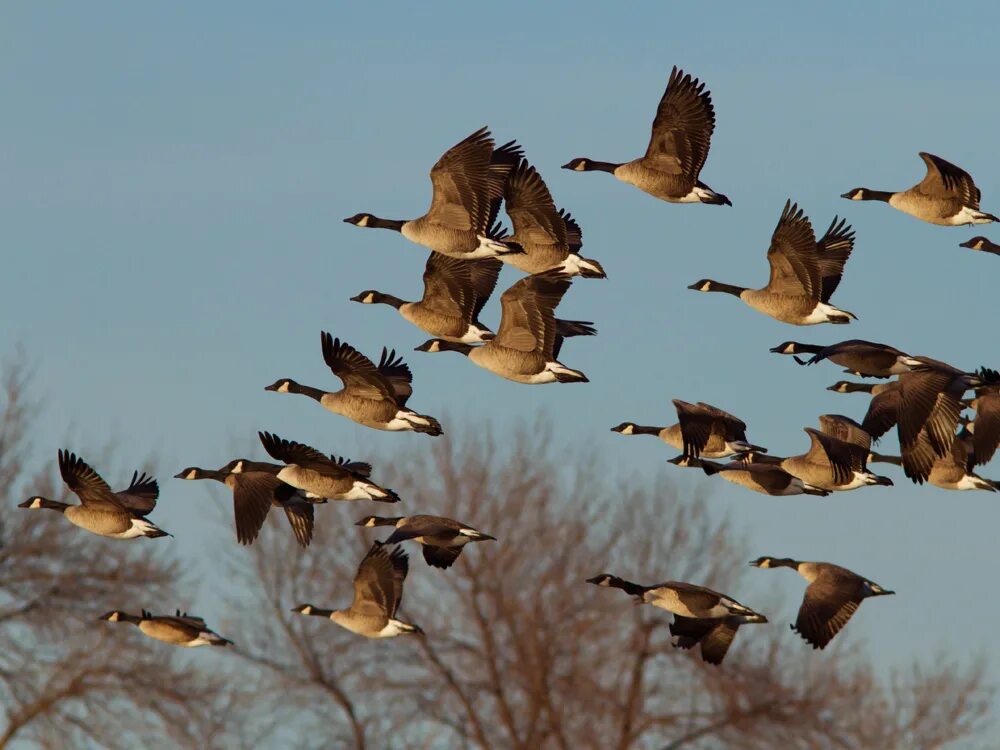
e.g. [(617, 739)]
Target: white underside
[(487, 249), (968, 482), (824, 313), (474, 335), (860, 479), (362, 491), (574, 265), (139, 528), (969, 216), (405, 420)]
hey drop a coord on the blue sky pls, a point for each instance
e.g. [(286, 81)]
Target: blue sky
[(174, 178)]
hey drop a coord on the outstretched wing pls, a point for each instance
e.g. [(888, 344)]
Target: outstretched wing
[(528, 323), (360, 376), (792, 255), (141, 494), (683, 126), (87, 484), (397, 374), (944, 179)]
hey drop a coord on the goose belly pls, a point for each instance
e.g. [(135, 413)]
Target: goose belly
[(797, 310), (537, 258), (439, 325), (671, 601), (461, 243), (315, 483), (521, 367), (162, 631), (672, 187), (817, 475), (941, 211), (113, 524), (375, 413)]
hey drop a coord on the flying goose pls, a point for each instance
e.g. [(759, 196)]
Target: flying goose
[(678, 147), (804, 273), (118, 515), (981, 243), (468, 182), (181, 629), (714, 636), (953, 471), (703, 430), (834, 463), (767, 478), (455, 292), (372, 396), (316, 475), (254, 494), (550, 239), (378, 589), (946, 196), (832, 596), (441, 539), (526, 349), (864, 358), (684, 599)]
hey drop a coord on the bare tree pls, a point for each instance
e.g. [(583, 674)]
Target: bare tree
[(67, 680), (521, 653)]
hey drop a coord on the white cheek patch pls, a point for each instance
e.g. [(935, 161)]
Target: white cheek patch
[(363, 222), (192, 474), (283, 388)]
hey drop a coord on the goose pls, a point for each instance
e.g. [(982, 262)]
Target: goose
[(864, 358), (715, 636), (804, 273), (117, 515), (833, 463), (372, 396), (550, 239), (981, 243), (678, 147), (526, 349), (441, 539), (765, 478), (254, 494), (378, 589), (316, 475), (703, 430), (684, 599), (455, 292), (468, 182), (180, 629), (953, 471), (946, 196), (832, 596)]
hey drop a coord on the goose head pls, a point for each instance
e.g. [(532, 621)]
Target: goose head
[(361, 220), (976, 243)]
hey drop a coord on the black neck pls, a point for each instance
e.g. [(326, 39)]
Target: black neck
[(388, 521), (601, 166), (388, 299), (807, 348), (641, 430), (54, 505), (307, 390), (318, 612), (877, 195), (126, 617), (736, 291), (784, 562), (879, 458), (453, 346), (393, 224)]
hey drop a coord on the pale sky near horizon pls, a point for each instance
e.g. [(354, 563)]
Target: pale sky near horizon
[(175, 176)]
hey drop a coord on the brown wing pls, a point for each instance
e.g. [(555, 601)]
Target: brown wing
[(484, 275), (732, 427), (927, 404), (833, 250), (700, 421), (531, 209), (715, 645), (299, 454), (360, 468), (448, 286), (883, 412), (300, 516), (252, 496), (793, 257), (574, 235), (441, 557), (839, 455), (378, 584), (986, 427), (528, 323), (846, 429), (945, 180), (87, 483), (141, 494), (828, 604), (682, 128), (397, 374), (361, 377), (462, 185), (690, 630)]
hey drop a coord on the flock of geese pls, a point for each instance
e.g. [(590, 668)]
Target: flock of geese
[(923, 398)]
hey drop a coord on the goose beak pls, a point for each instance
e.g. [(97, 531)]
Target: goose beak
[(773, 349), (567, 165), (969, 244), (696, 287), (847, 194)]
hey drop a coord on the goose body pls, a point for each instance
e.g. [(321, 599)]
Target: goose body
[(837, 457), (116, 515), (766, 478), (254, 494), (864, 358), (455, 292), (372, 396), (678, 597), (528, 342), (378, 590), (804, 273), (180, 629), (468, 182), (831, 599), (549, 238), (703, 431), (947, 196), (714, 636), (442, 539), (678, 146)]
